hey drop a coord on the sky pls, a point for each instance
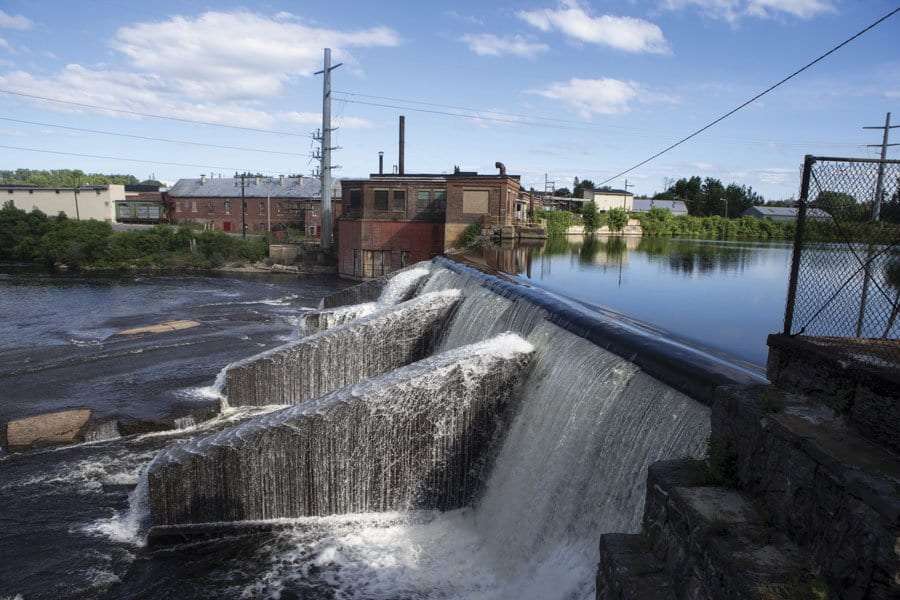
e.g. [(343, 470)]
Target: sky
[(571, 88)]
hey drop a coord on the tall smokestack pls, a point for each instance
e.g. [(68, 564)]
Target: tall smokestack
[(402, 143), (380, 162)]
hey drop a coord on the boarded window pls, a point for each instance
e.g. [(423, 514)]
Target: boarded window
[(476, 201), (381, 199), (355, 199), (400, 200)]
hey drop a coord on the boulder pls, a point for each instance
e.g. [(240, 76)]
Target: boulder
[(160, 327), (64, 427)]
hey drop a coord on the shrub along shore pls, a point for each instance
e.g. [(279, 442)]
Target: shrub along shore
[(93, 245)]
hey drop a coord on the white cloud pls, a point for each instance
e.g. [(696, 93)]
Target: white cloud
[(8, 21), (488, 44), (228, 55), (733, 10), (145, 93), (216, 67), (623, 33), (591, 97), (5, 45)]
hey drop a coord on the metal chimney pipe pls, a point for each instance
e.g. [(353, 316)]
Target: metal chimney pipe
[(380, 162), (402, 143)]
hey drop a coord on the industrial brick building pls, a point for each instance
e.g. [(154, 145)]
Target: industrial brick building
[(392, 220), (272, 204)]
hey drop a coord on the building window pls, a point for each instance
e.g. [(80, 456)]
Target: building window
[(260, 208), (400, 200), (355, 199), (381, 199), (404, 258), (476, 201), (228, 207), (439, 199), (193, 206), (423, 198)]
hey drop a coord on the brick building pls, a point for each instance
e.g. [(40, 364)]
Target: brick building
[(273, 204), (392, 220), (143, 203)]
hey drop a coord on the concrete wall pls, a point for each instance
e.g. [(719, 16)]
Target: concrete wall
[(99, 204)]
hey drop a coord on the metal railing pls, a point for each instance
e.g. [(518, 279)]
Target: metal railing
[(845, 270)]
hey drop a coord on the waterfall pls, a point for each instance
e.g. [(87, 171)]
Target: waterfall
[(343, 355), (574, 461), (412, 438), (402, 285)]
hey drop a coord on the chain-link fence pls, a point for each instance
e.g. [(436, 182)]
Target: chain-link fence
[(845, 275)]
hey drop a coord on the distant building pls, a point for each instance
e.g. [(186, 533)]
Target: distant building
[(143, 203), (272, 203), (676, 207), (607, 199), (784, 213), (87, 202), (393, 220)]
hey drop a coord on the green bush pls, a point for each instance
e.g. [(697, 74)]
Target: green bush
[(558, 221), (616, 219), (470, 236), (32, 236)]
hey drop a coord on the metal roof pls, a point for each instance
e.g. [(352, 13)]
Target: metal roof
[(786, 211), (645, 204), (262, 187)]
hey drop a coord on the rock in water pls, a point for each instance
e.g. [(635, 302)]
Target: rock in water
[(65, 427)]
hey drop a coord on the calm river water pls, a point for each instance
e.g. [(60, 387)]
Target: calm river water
[(724, 296)]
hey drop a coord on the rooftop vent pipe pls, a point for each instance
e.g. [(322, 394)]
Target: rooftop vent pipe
[(402, 143), (502, 168), (380, 162), (202, 178)]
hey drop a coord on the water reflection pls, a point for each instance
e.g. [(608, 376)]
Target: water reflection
[(723, 295)]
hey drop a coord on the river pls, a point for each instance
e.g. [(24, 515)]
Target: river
[(724, 296)]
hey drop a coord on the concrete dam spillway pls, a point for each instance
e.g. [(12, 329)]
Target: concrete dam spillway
[(527, 421)]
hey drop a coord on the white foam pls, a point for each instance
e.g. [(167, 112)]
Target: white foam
[(126, 526)]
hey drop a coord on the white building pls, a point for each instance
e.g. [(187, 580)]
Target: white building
[(89, 202), (607, 199)]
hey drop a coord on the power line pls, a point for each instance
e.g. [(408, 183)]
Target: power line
[(144, 137), (137, 160), (756, 97), (582, 124), (151, 115)]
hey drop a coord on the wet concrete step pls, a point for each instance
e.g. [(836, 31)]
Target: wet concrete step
[(834, 492), (714, 543), (629, 571)]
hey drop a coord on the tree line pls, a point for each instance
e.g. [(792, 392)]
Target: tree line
[(64, 178)]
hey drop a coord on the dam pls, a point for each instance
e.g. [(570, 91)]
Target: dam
[(447, 432)]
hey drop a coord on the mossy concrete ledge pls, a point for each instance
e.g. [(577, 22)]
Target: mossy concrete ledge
[(342, 355), (414, 438)]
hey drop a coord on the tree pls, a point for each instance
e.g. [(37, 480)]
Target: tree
[(837, 204), (617, 219), (580, 186), (562, 192), (892, 276), (589, 216), (62, 178)]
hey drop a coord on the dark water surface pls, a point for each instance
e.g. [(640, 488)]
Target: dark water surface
[(66, 524), (723, 296)]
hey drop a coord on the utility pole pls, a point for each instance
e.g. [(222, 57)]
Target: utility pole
[(325, 155), (876, 215), (625, 197), (243, 176), (884, 145)]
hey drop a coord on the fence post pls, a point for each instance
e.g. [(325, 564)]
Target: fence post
[(808, 162)]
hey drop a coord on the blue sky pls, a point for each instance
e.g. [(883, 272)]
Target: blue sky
[(605, 84)]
